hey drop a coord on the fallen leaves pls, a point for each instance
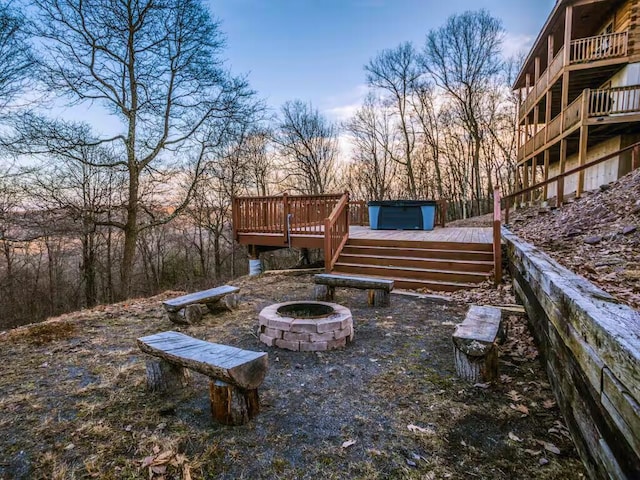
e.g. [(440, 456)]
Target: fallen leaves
[(429, 430), (514, 437), (515, 396), (520, 408), (158, 463)]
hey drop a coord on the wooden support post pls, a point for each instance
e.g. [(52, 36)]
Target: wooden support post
[(568, 27), (560, 182), (534, 166), (635, 157), (525, 179), (545, 175), (497, 237), (163, 376), (231, 405), (582, 157)]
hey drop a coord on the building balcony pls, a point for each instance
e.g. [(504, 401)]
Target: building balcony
[(597, 107), (582, 51)]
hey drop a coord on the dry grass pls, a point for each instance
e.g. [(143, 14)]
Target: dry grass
[(74, 403)]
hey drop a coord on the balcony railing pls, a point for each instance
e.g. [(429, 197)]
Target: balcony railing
[(600, 47), (614, 101), (601, 103), (583, 50), (543, 82)]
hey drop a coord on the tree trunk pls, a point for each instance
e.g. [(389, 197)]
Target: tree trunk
[(231, 405), (164, 376), (130, 235), (476, 369)]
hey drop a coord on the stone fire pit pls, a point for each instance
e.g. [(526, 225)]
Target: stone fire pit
[(306, 326)]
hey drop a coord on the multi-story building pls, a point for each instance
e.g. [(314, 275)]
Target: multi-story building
[(580, 95)]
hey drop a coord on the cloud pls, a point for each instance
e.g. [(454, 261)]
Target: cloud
[(342, 107), (515, 43)]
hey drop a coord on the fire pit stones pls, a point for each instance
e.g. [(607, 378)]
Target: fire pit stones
[(306, 326)]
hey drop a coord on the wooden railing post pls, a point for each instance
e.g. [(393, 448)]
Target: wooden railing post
[(497, 238), (286, 211), (234, 218), (328, 254)]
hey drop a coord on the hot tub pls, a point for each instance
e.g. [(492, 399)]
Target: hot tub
[(402, 214)]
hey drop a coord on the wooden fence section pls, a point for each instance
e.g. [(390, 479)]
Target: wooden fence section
[(336, 232), (509, 199), (600, 47), (590, 345)]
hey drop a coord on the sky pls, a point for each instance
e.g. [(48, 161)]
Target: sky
[(315, 50)]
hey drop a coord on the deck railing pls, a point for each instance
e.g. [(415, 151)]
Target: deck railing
[(559, 179), (283, 214), (589, 49), (616, 100), (336, 232), (358, 212)]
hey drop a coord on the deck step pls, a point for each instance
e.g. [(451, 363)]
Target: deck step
[(411, 273), (428, 245), (417, 262), (439, 254), (416, 284)]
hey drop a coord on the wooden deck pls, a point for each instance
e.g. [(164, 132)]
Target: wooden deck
[(447, 234)]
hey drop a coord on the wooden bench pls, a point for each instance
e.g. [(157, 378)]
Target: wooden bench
[(186, 309), (235, 374), (474, 344), (379, 288)]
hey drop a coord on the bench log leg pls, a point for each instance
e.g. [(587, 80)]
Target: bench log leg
[(378, 298), (231, 405), (230, 302), (476, 369), (187, 316), (324, 293), (164, 376)]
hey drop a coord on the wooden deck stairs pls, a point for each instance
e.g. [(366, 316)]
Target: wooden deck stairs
[(440, 266)]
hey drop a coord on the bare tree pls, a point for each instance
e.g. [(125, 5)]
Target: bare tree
[(395, 72), (155, 67), (463, 58), (308, 143), (16, 60), (373, 139)]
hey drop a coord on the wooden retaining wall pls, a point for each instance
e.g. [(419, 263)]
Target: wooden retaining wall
[(591, 346)]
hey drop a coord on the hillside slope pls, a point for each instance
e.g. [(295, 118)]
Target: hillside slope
[(596, 236)]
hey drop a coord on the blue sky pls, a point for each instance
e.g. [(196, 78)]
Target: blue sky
[(315, 50)]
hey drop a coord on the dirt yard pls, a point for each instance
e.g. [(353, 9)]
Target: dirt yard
[(74, 404)]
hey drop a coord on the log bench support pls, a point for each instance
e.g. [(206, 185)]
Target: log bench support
[(474, 344), (187, 309), (379, 289), (235, 374)]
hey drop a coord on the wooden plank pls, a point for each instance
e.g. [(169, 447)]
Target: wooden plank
[(205, 296), (242, 368), (353, 282), (477, 333), (622, 407)]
